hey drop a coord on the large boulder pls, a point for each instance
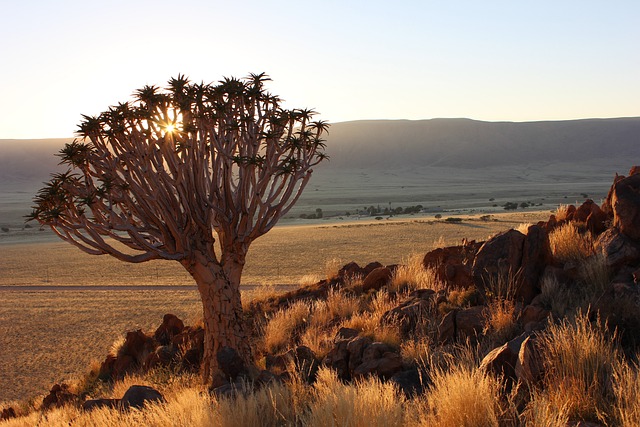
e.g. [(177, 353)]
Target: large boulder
[(379, 359), (460, 324), (515, 257), (536, 255), (376, 279), (530, 366), (170, 327), (502, 361), (356, 348), (411, 311), (500, 255), (625, 201), (139, 395), (617, 248), (338, 359), (58, 396), (451, 264)]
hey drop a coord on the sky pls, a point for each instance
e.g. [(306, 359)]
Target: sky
[(348, 59)]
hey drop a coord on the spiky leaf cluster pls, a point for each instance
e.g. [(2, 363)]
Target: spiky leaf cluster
[(162, 173)]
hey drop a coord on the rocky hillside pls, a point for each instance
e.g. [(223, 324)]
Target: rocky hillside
[(541, 309)]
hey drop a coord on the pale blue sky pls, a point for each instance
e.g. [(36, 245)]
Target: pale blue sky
[(488, 60)]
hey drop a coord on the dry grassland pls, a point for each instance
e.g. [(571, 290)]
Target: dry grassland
[(282, 256), (46, 336)]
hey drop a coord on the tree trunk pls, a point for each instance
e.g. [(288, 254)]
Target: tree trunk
[(219, 290)]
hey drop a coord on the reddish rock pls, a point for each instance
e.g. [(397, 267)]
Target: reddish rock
[(469, 322), (379, 359), (451, 264), (636, 277), (458, 325), (502, 254), (58, 396), (634, 170), (447, 328), (533, 313), (370, 267), (8, 413), (571, 211), (625, 201), (536, 255), (338, 360), (502, 360), (137, 396), (411, 311), (349, 270), (529, 367), (617, 248), (170, 327), (356, 348), (378, 278)]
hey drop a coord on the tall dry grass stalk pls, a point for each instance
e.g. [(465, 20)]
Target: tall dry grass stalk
[(562, 212), (595, 274), (258, 293), (461, 396), (369, 321), (627, 394), (568, 244), (366, 403), (284, 325), (332, 267), (523, 227), (501, 325), (412, 275), (579, 360)]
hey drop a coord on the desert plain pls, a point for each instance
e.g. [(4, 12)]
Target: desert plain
[(60, 309)]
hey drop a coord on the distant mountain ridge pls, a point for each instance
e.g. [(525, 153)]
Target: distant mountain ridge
[(390, 144), (405, 144)]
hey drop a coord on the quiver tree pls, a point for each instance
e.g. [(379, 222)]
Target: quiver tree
[(163, 176)]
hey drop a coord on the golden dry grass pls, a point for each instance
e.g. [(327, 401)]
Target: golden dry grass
[(462, 396), (367, 403), (568, 244), (579, 363), (48, 336), (281, 256)]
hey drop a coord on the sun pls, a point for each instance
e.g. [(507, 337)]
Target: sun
[(170, 128)]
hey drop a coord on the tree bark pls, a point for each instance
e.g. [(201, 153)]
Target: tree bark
[(219, 290)]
